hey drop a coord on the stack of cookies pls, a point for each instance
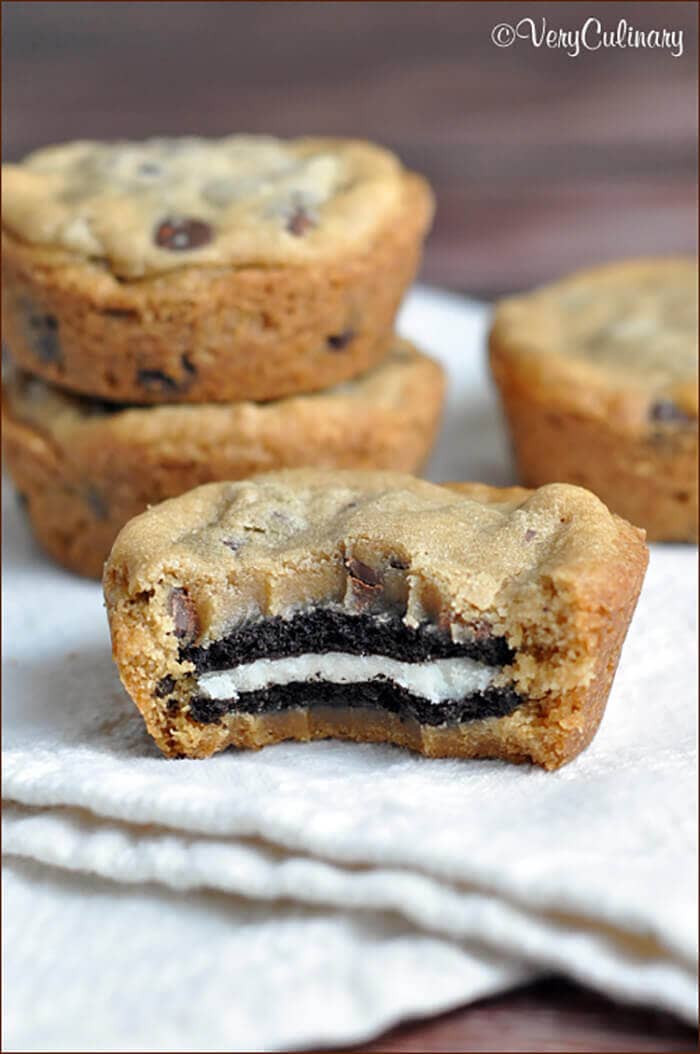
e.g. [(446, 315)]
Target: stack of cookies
[(180, 311)]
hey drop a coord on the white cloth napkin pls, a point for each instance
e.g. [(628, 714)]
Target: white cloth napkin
[(316, 893)]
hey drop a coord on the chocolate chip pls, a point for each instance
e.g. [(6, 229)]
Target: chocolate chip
[(164, 687), (340, 340), (667, 412), (43, 336), (363, 573), (120, 312), (96, 503), (157, 381), (184, 615), (150, 169), (188, 366), (180, 234), (300, 222), (530, 534), (366, 583), (398, 564), (100, 407), (173, 705)]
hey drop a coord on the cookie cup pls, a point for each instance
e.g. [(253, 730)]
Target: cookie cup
[(84, 468), (571, 421), (211, 333)]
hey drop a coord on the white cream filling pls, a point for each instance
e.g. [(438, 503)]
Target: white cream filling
[(437, 681)]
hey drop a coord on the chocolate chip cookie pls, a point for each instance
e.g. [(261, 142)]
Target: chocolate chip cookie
[(458, 620), (86, 467), (193, 270), (598, 378)]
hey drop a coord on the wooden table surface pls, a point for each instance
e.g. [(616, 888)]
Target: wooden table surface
[(541, 162), (552, 1015)]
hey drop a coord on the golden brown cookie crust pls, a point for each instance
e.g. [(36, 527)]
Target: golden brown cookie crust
[(85, 473), (216, 334), (551, 571), (598, 379)]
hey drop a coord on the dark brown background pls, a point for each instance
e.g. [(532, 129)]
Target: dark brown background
[(541, 163)]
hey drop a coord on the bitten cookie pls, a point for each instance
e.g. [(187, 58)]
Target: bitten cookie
[(455, 620), (193, 270), (86, 467), (598, 379)]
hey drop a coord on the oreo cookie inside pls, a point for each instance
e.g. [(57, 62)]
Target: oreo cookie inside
[(328, 657), (366, 695), (327, 629)]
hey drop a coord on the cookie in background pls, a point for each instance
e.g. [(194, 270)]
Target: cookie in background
[(207, 270), (598, 377)]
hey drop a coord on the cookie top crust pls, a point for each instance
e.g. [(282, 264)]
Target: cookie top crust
[(153, 206), (34, 402), (284, 541), (629, 326)]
